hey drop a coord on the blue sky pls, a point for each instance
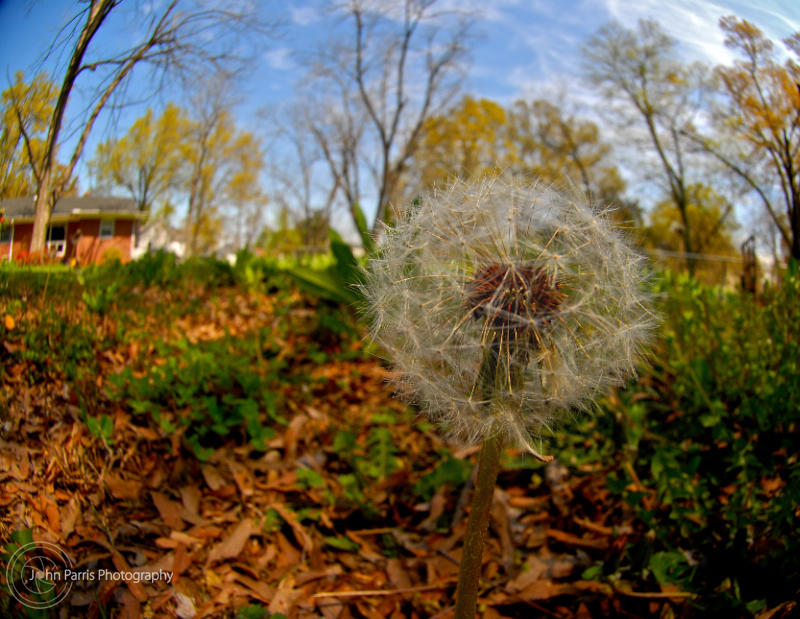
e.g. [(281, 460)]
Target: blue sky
[(527, 48)]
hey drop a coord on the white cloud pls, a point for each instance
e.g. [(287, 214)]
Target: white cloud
[(530, 45), (280, 59), (303, 16), (695, 24)]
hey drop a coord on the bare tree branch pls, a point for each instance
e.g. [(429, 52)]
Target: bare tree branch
[(183, 38), (402, 62)]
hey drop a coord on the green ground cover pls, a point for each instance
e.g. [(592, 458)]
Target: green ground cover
[(680, 496)]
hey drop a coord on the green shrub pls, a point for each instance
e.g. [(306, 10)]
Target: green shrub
[(713, 429)]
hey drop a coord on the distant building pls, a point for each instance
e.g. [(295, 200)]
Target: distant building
[(90, 229), (158, 235)]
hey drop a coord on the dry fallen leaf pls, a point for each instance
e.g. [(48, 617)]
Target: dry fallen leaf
[(137, 589), (184, 606), (292, 435), (397, 574), (214, 480), (772, 486), (574, 540), (242, 477), (532, 571), (261, 590), (787, 609), (123, 489), (168, 510), (190, 498), (69, 516), (288, 555), (21, 468), (9, 322), (285, 596), (132, 608), (231, 546), (297, 528), (438, 503), (52, 514), (544, 590), (331, 608)]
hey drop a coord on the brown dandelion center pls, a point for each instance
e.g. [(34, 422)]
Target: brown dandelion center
[(514, 296)]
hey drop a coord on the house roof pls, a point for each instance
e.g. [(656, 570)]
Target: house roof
[(24, 208)]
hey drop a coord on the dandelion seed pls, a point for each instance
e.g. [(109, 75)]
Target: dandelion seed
[(527, 304)]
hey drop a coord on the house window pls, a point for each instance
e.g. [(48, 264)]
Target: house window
[(5, 234), (57, 239), (107, 229)]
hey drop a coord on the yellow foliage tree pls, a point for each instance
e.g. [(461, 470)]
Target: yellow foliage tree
[(204, 160), (223, 170), (244, 194), (710, 217), (655, 98), (468, 142), (554, 146), (536, 140), (189, 39), (760, 123), (147, 162), (26, 109)]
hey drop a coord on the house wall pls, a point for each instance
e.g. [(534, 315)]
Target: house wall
[(22, 241), (90, 248)]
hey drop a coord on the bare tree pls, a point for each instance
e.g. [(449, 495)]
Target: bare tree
[(757, 120), (210, 132), (180, 37), (639, 72), (295, 171), (400, 62)]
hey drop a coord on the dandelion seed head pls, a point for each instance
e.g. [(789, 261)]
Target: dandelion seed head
[(524, 279)]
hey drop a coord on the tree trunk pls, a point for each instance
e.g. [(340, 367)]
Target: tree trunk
[(796, 232), (98, 11), (44, 207)]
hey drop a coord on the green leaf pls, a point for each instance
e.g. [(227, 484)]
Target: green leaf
[(23, 536), (344, 442), (669, 567), (352, 490), (346, 264), (755, 606), (342, 543), (709, 420), (322, 284), (309, 478), (452, 471), (253, 612), (363, 230), (102, 427)]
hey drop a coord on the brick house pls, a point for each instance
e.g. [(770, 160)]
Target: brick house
[(89, 229)]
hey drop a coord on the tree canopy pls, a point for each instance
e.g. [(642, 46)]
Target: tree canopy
[(26, 111), (197, 156), (147, 161), (757, 123)]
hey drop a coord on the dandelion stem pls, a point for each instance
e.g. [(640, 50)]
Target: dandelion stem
[(472, 556)]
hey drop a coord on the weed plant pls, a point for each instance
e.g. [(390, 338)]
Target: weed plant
[(712, 432)]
